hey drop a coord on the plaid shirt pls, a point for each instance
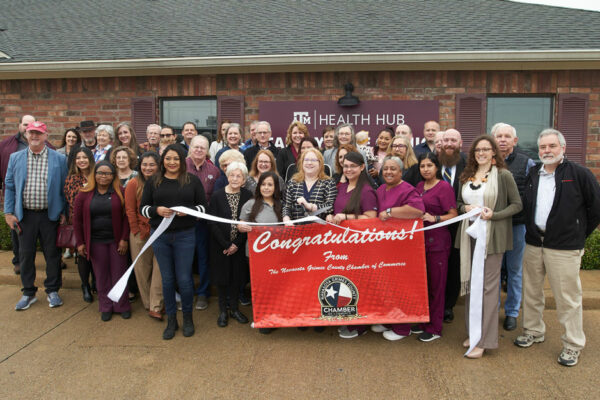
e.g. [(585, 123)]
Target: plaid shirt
[(35, 192)]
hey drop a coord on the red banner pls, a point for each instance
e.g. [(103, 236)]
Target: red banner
[(311, 275)]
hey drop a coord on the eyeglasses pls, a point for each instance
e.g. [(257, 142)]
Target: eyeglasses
[(265, 162), (165, 134), (311, 160), (102, 173), (263, 132), (399, 146), (483, 150)]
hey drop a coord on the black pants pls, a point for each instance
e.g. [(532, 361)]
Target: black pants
[(453, 280), (14, 236), (228, 295), (37, 224), (84, 267)]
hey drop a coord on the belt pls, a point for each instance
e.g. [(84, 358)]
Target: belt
[(37, 211)]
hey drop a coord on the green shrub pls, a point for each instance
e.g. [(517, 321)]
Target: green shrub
[(5, 242), (591, 257)]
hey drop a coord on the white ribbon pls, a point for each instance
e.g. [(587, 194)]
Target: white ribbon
[(117, 291), (477, 231)]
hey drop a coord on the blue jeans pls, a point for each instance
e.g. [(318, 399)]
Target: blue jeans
[(174, 252), (513, 262), (202, 258)]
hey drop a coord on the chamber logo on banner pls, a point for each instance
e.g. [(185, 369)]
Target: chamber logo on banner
[(338, 297)]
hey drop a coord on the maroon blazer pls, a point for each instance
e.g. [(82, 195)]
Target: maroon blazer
[(82, 221)]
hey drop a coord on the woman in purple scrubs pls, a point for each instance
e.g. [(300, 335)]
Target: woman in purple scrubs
[(356, 199), (440, 205), (396, 199)]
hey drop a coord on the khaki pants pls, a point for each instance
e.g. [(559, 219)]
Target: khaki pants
[(562, 267), (147, 275)]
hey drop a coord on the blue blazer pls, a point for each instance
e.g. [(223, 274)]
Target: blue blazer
[(16, 175)]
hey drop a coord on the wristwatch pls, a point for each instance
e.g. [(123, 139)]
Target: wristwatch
[(389, 212)]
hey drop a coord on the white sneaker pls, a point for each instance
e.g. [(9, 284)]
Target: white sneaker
[(391, 335), (378, 328)]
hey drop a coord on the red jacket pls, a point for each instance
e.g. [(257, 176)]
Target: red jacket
[(82, 222)]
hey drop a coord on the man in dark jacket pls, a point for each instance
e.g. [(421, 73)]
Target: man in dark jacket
[(7, 147), (263, 142), (562, 207), (518, 164)]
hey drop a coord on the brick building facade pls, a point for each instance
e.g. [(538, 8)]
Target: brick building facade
[(64, 102)]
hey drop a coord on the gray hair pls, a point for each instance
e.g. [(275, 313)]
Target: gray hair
[(237, 165), (153, 126), (395, 159), (238, 126), (549, 132), (231, 155), (500, 125), (106, 128), (268, 125), (194, 140), (336, 142)]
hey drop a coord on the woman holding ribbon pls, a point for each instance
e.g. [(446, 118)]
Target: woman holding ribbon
[(174, 249), (355, 199), (396, 199), (440, 206), (265, 207), (101, 231), (227, 261), (486, 184)]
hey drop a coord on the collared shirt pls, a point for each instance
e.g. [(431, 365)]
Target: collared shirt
[(207, 173), (35, 192), (545, 197)]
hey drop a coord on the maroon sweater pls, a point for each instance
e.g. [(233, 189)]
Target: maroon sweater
[(82, 221)]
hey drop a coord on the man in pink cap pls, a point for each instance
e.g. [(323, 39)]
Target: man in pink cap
[(34, 203)]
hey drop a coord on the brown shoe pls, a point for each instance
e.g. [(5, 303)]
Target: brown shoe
[(155, 314), (17, 269)]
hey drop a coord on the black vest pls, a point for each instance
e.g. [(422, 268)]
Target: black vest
[(517, 165)]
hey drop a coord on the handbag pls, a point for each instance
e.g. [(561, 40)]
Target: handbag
[(65, 237)]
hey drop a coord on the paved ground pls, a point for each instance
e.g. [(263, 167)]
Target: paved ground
[(68, 352)]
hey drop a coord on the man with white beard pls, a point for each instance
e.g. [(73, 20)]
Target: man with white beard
[(562, 207)]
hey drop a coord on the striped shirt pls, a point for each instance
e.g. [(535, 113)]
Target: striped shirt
[(35, 193)]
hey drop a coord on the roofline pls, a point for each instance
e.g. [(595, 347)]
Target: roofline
[(454, 60)]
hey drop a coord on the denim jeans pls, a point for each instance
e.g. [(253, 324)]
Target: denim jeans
[(202, 258), (513, 262), (174, 252)]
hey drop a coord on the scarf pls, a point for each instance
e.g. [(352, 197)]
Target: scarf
[(100, 152), (489, 200)]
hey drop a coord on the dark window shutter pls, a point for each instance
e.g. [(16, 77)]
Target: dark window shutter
[(231, 108), (572, 123), (470, 117), (143, 113)]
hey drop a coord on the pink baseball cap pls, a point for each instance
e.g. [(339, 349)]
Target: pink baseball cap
[(37, 126)]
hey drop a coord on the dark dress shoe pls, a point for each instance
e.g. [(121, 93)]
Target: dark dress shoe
[(510, 323), (87, 294), (265, 331), (172, 326), (106, 316), (239, 316), (63, 265), (319, 329), (223, 319), (126, 314), (17, 269), (448, 315)]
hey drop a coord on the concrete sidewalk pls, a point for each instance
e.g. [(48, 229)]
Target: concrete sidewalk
[(590, 280)]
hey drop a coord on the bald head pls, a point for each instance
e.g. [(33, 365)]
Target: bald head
[(452, 140), (25, 120)]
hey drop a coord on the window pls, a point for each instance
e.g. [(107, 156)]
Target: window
[(200, 110), (529, 116)]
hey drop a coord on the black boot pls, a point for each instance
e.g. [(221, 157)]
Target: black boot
[(172, 326), (87, 294), (188, 324)]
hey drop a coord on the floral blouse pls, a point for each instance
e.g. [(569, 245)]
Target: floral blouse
[(72, 185)]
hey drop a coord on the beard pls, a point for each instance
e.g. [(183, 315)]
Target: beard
[(449, 160), (550, 159)]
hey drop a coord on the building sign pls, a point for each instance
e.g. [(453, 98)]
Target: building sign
[(371, 116)]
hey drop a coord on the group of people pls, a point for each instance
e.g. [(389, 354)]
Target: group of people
[(115, 193)]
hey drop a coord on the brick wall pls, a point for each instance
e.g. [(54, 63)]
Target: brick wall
[(63, 103)]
